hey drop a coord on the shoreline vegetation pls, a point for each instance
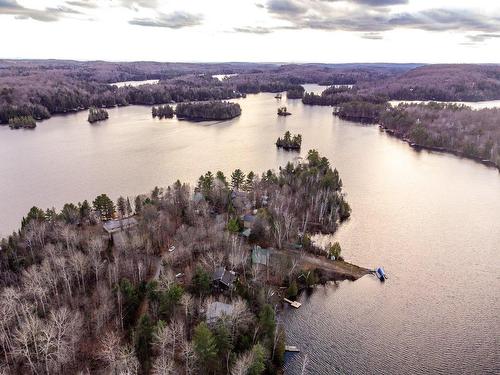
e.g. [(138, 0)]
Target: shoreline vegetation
[(177, 280), (451, 128), (163, 111), (211, 110), (97, 114), (24, 122), (289, 142)]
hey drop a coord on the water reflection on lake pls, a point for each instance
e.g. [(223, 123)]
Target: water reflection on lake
[(431, 220)]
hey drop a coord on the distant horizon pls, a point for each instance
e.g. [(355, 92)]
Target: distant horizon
[(297, 31), (246, 62)]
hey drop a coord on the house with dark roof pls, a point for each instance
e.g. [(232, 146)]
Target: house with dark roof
[(223, 279), (113, 226)]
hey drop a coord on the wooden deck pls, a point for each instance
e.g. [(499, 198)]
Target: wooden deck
[(292, 303)]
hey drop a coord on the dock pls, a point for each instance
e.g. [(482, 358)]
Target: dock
[(291, 348), (292, 303)]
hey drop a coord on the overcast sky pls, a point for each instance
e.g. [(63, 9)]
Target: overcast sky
[(431, 31)]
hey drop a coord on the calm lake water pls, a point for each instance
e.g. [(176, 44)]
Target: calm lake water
[(432, 221)]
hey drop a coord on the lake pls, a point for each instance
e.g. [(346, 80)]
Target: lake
[(431, 220)]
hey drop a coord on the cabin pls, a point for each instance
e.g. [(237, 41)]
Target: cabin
[(198, 197), (223, 279), (246, 233), (248, 220), (261, 256), (218, 310), (113, 226)]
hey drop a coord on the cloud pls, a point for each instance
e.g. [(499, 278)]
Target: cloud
[(479, 38), (253, 30), (13, 8), (372, 36), (175, 20), (286, 7), (372, 16), (376, 3), (83, 4), (134, 4)]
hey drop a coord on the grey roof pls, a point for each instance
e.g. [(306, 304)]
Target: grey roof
[(249, 217), (217, 310), (218, 273), (112, 226), (247, 232), (260, 256)]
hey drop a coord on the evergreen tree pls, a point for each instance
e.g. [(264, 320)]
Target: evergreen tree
[(237, 179), (104, 206), (138, 204), (222, 178), (121, 205), (205, 347)]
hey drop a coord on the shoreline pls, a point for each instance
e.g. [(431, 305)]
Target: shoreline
[(419, 147)]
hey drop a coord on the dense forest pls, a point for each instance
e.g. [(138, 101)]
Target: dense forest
[(212, 110), (45, 87), (173, 288), (163, 111), (459, 129)]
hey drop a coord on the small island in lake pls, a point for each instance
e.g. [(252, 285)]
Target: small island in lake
[(97, 114), (212, 110), (26, 122), (163, 111), (283, 112), (289, 142)]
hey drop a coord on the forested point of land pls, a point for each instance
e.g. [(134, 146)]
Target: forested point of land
[(212, 110), (76, 299)]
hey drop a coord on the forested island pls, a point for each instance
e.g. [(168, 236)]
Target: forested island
[(177, 283), (289, 142), (97, 114), (31, 89), (212, 110), (163, 111)]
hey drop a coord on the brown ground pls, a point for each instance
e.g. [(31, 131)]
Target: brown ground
[(333, 270)]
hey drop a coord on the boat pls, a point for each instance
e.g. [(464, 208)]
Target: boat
[(380, 274), (278, 96)]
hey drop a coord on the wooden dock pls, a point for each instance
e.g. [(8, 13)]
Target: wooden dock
[(292, 303), (291, 348)]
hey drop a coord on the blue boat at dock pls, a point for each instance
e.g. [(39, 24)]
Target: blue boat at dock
[(380, 274)]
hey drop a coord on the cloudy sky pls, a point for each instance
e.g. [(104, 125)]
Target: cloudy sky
[(254, 30)]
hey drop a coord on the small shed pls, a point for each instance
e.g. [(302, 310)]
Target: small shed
[(217, 310), (113, 226), (260, 256), (248, 220), (223, 279)]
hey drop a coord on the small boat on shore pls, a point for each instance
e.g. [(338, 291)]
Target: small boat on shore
[(380, 274), (278, 96)]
